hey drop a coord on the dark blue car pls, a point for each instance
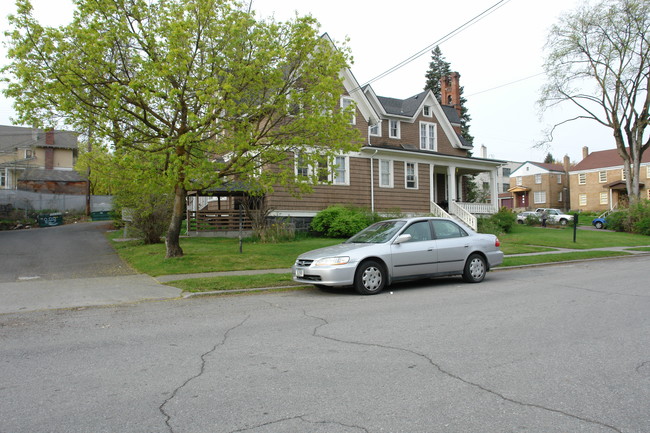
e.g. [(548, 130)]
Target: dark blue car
[(599, 223)]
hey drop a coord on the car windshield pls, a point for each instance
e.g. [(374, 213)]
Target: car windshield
[(377, 233)]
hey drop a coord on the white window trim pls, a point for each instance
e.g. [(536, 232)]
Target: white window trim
[(559, 197), (519, 180), (346, 175), (415, 172), (623, 177), (559, 179), (353, 121), (538, 178), (379, 125), (390, 129), (647, 174), (582, 199), (582, 178), (541, 199), (430, 111), (296, 158), (391, 172), (602, 177), (435, 136), (604, 199)]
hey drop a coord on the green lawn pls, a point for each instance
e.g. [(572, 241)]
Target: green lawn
[(218, 254)]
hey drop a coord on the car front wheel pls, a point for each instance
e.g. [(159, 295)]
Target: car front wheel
[(564, 222), (475, 269), (370, 278), (599, 225)]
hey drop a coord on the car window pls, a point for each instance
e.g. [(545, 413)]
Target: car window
[(446, 229), (377, 233), (419, 231)]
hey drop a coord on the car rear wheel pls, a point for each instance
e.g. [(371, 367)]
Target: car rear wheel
[(370, 278), (475, 269), (599, 225), (564, 221)]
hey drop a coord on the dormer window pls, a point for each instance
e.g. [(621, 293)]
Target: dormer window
[(426, 111), (375, 129)]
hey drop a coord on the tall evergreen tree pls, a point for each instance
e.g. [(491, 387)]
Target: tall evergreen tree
[(438, 68)]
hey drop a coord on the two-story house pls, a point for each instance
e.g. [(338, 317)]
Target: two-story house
[(482, 180), (413, 161), (37, 160), (537, 184), (598, 181)]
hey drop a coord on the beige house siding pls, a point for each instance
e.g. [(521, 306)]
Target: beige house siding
[(591, 190)]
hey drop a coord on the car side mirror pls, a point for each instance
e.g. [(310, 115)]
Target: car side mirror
[(402, 238)]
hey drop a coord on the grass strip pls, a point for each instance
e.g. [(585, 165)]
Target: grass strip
[(235, 282), (560, 257)]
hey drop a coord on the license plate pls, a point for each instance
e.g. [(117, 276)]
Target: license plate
[(300, 273)]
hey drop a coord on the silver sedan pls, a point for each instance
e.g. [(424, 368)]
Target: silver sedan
[(398, 250)]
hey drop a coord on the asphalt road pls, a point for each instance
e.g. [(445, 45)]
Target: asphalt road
[(549, 349), (68, 266)]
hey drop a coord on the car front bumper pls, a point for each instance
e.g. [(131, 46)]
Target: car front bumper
[(335, 276)]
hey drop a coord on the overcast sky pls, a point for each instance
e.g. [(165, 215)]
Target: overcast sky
[(499, 59)]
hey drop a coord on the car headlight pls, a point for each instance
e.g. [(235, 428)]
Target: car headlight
[(332, 261)]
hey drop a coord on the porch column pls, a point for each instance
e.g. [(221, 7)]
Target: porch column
[(494, 190), (432, 186), (451, 176)]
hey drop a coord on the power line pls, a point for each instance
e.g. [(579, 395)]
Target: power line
[(445, 38), (507, 84)]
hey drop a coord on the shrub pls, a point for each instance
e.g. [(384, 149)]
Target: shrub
[(635, 219), (499, 223), (342, 221)]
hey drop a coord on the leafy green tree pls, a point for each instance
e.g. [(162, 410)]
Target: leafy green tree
[(201, 86), (599, 61), (439, 68)]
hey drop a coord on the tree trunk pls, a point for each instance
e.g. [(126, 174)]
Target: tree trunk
[(172, 240)]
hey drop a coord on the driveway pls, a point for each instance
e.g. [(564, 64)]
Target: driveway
[(68, 266)]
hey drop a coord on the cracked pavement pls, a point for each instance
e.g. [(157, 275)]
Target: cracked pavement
[(550, 349)]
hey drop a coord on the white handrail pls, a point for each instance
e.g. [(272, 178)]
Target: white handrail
[(464, 215), (437, 211), (480, 208)]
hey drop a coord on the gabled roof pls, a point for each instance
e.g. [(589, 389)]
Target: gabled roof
[(45, 175), (549, 167), (12, 137), (604, 159)]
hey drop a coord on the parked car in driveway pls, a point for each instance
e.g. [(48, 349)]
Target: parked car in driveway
[(524, 216), (599, 222), (555, 216), (398, 250)]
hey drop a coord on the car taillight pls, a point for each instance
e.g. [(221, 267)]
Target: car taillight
[(496, 242)]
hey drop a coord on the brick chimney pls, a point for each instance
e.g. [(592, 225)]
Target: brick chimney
[(585, 152), (567, 163), (450, 91), (49, 137)]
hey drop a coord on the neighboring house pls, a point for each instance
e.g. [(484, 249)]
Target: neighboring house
[(482, 180), (414, 160), (537, 184), (598, 181), (37, 160)]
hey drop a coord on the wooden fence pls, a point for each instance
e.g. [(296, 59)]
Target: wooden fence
[(219, 220)]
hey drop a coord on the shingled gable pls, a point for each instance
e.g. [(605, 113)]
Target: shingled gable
[(408, 110)]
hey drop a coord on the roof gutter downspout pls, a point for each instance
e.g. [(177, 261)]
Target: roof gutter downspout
[(372, 176)]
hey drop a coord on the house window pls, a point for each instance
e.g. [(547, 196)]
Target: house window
[(385, 173), (375, 129), (506, 187), (302, 168), (520, 181), (347, 102), (538, 178), (411, 176), (29, 153), (393, 128), (603, 198), (559, 179), (427, 136), (426, 110), (323, 171), (602, 176), (647, 174), (623, 174), (559, 197), (540, 197), (506, 172), (582, 199), (582, 179), (3, 178), (341, 172)]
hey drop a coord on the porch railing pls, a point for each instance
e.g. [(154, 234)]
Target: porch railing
[(463, 214), (478, 208), (437, 211), (222, 220)]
